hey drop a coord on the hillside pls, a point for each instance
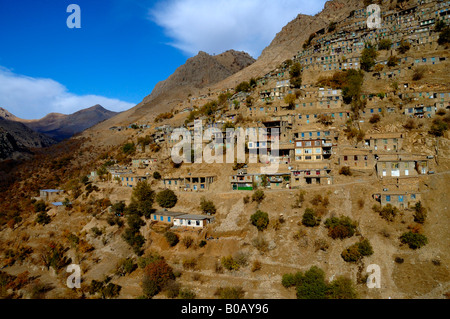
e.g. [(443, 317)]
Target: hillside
[(362, 178), (16, 139)]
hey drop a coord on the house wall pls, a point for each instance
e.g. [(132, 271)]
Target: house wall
[(396, 169), (403, 200)]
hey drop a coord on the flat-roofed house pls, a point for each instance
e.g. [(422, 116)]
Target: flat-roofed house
[(308, 174), (131, 180), (385, 141), (398, 198), (360, 159), (401, 165), (164, 216), (50, 194), (193, 221)]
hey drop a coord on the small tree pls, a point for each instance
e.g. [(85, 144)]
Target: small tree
[(392, 61), (310, 219), (414, 240), (207, 206), (157, 175), (260, 219), (384, 44), (368, 57), (404, 47), (420, 214), (258, 196), (166, 198), (171, 238)]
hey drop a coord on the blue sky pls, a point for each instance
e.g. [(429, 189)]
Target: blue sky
[(124, 47)]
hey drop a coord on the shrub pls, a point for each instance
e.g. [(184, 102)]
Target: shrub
[(40, 206), (375, 119), (368, 57), (190, 263), (413, 240), (171, 238), (291, 280), (166, 198), (341, 288), (43, 218), (256, 266), (313, 285), (229, 263), (438, 127), (243, 87), (156, 276), (172, 289), (340, 227), (148, 259), (125, 266), (310, 219), (357, 251), (444, 36), (260, 219), (187, 241), (384, 44), (202, 243), (156, 175), (207, 206), (128, 148), (345, 170), (404, 47), (230, 293), (392, 61), (186, 294), (389, 212), (258, 196), (246, 199), (410, 124), (418, 73), (420, 214)]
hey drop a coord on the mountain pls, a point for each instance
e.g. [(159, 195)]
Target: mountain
[(61, 126), (201, 71), (16, 139)]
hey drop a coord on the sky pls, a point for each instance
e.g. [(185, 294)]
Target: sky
[(123, 48)]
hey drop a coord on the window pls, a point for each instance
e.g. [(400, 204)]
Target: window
[(388, 198), (345, 158)]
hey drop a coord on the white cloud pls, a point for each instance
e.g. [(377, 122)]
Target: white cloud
[(215, 26), (32, 98)]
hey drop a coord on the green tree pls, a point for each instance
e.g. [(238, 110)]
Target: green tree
[(258, 196), (384, 44), (310, 219), (313, 285), (156, 175), (296, 75), (43, 218), (260, 219), (420, 214), (341, 288), (171, 238), (368, 57), (166, 198), (444, 36), (129, 148), (414, 240), (207, 206)]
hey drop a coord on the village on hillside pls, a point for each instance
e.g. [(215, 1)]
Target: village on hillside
[(362, 117)]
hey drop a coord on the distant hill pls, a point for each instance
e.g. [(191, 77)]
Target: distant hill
[(60, 126), (16, 139)]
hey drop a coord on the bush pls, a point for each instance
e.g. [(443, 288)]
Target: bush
[(43, 218), (40, 206), (341, 288), (368, 57), (187, 241), (156, 175), (413, 240), (392, 61), (292, 280), (125, 266), (310, 219), (438, 128), (207, 206), (202, 243), (345, 170), (342, 227), (260, 219), (418, 73), (258, 196), (186, 294), (313, 285), (129, 148), (166, 198), (375, 119), (156, 276), (229, 263), (389, 212), (256, 266), (404, 47), (444, 36), (230, 293), (420, 214), (243, 87), (355, 252), (171, 238), (384, 44)]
